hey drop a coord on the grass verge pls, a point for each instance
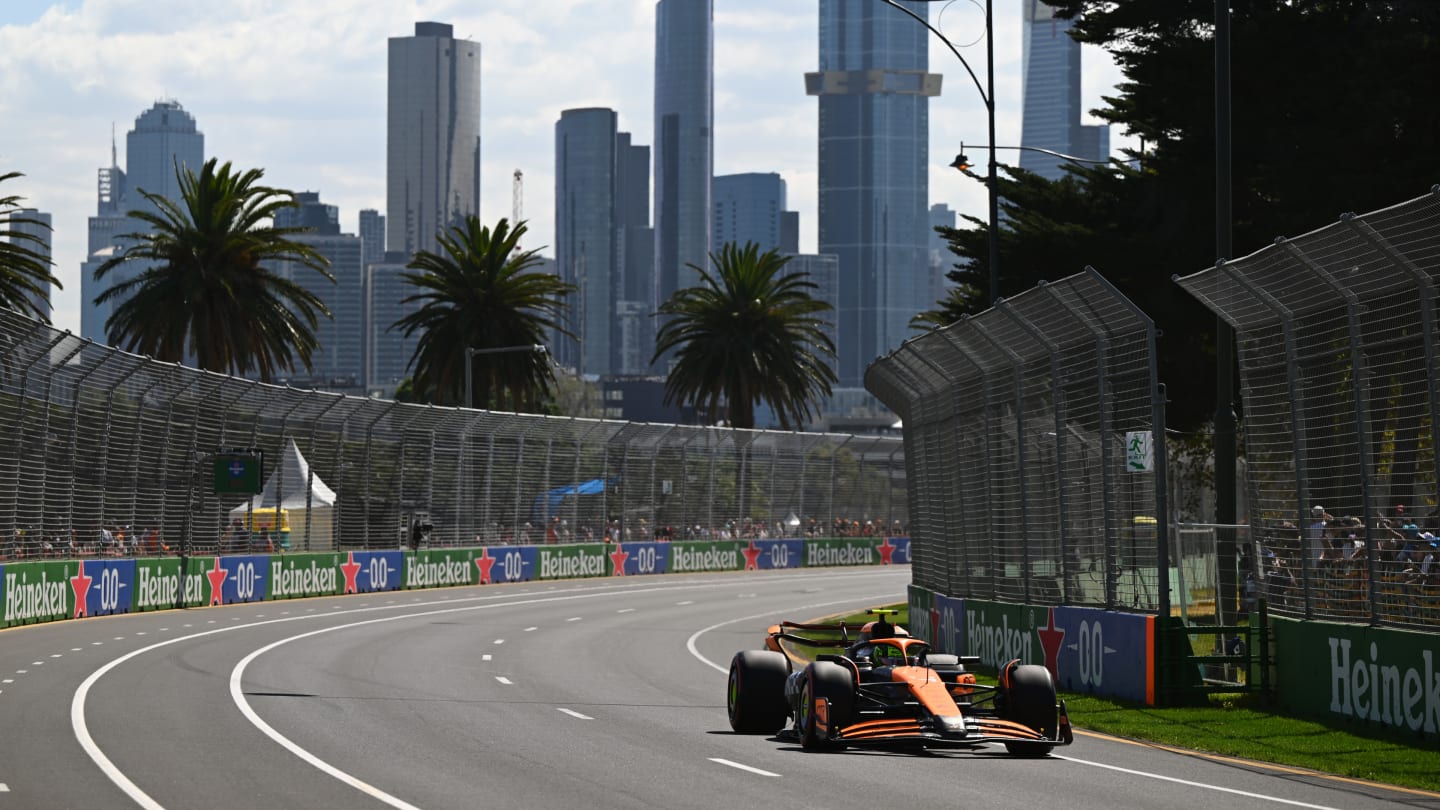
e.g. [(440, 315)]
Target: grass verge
[(1241, 726)]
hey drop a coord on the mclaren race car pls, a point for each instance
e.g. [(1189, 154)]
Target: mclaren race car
[(884, 688)]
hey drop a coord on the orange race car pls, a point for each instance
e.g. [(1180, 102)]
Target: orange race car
[(886, 688)]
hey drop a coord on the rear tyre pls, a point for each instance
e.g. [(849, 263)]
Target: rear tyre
[(1031, 702), (755, 697), (826, 681)]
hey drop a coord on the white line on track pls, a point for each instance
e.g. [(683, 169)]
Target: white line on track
[(57, 655), (4, 788), (1233, 791), (531, 629), (742, 767), (574, 618), (686, 602), (76, 649), (626, 610), (499, 641), (485, 657), (119, 779), (504, 680), (575, 714)]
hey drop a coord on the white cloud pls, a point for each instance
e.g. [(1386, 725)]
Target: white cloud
[(299, 90)]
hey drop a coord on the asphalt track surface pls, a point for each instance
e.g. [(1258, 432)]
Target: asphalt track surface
[(580, 694)]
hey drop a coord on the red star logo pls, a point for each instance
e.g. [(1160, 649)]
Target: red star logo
[(350, 569), (886, 550), (216, 576), (484, 562), (80, 584), (618, 557), (752, 557), (1050, 639)]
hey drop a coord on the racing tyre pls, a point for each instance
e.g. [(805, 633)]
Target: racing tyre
[(827, 680), (1031, 702), (755, 698)]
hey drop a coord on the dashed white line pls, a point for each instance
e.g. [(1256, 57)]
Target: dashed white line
[(21, 671), (4, 788), (531, 629), (499, 641), (96, 643), (485, 657), (76, 649), (1233, 791), (574, 618), (119, 638), (743, 767), (504, 680), (686, 602), (57, 655), (37, 663), (141, 633), (575, 714), (8, 680), (626, 610)]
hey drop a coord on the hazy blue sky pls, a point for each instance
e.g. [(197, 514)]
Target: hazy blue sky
[(297, 87)]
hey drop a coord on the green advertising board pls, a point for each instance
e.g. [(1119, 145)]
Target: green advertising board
[(1386, 679), (716, 555), (158, 578), (300, 575), (999, 632), (440, 567), (572, 561), (38, 592), (842, 551), (919, 601)]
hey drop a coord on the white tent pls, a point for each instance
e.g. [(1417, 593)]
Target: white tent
[(287, 489)]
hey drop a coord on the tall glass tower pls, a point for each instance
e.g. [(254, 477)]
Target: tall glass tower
[(432, 146), (585, 234), (1051, 81), (874, 89), (684, 142), (751, 208), (165, 138)]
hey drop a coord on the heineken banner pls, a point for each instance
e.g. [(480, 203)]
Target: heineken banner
[(440, 567), (572, 561), (506, 564), (715, 555), (857, 551), (1387, 679), (631, 559), (158, 580), (38, 592)]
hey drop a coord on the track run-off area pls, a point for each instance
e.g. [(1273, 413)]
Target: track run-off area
[(587, 693)]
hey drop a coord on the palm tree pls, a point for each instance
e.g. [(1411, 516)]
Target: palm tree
[(203, 286), (24, 272), (481, 292), (750, 333)]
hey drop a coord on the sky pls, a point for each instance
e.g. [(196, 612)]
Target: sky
[(297, 88)]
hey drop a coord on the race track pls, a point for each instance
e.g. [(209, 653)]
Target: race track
[(589, 693)]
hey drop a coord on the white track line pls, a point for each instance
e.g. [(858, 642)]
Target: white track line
[(504, 680), (742, 767), (77, 703), (1233, 791), (575, 714), (485, 657)]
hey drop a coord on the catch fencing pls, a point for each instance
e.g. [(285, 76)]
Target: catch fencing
[(1032, 441), (95, 439), (1336, 332)]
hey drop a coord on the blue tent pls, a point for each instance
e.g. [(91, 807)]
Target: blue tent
[(548, 504)]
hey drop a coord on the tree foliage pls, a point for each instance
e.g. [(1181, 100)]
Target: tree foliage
[(24, 271), (1333, 111), (203, 285), (748, 333), (481, 292)]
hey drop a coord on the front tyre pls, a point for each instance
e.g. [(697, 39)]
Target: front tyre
[(1030, 701), (755, 697), (825, 680)]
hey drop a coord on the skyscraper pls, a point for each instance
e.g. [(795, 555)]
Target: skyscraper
[(1051, 80), (372, 236), (684, 141), (36, 224), (601, 196), (751, 208), (585, 235), (432, 147), (874, 89), (164, 139)]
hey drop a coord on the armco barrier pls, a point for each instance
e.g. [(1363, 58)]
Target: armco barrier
[(42, 591), (1086, 649), (1386, 679)]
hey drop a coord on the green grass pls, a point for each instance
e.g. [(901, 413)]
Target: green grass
[(1240, 725)]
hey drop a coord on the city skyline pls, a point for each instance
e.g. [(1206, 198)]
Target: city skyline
[(284, 90)]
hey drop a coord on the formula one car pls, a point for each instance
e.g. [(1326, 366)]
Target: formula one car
[(886, 689)]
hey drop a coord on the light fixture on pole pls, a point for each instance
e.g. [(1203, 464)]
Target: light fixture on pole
[(471, 352), (962, 162), (987, 96)]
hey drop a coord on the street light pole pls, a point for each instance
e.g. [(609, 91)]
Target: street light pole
[(987, 95), (471, 351)]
